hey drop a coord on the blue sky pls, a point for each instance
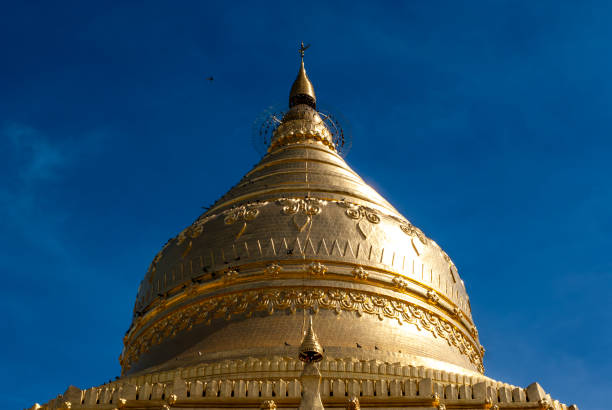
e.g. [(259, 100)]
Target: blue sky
[(487, 124)]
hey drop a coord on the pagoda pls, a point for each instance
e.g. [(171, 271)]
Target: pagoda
[(303, 288)]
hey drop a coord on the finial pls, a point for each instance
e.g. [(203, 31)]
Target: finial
[(302, 91), (310, 349), (302, 49)]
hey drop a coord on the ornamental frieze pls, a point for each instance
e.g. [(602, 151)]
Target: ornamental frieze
[(191, 232), (412, 230), (244, 214), (303, 212), (361, 214), (292, 299), (302, 209)]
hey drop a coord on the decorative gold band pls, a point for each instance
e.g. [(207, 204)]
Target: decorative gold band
[(291, 299)]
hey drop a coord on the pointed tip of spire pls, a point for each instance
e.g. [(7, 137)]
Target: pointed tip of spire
[(310, 349), (302, 91)]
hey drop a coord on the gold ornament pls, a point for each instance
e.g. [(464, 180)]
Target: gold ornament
[(317, 269), (273, 269), (291, 299), (360, 273)]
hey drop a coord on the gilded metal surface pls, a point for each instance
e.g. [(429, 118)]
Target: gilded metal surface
[(362, 215), (302, 84), (412, 230), (302, 124), (278, 225), (395, 252), (290, 299), (214, 229), (296, 269), (243, 214), (302, 210)]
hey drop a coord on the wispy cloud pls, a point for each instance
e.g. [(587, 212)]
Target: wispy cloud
[(40, 159), (32, 163)]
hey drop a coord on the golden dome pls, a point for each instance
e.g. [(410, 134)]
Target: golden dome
[(302, 232)]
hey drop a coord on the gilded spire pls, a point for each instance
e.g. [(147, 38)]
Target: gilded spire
[(302, 91), (310, 349)]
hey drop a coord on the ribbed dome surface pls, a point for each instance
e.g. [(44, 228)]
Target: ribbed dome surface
[(302, 231)]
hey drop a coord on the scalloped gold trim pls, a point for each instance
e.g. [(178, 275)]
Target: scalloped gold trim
[(291, 299)]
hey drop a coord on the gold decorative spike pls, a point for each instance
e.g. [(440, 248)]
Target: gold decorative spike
[(310, 349)]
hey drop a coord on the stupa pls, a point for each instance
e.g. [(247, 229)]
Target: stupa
[(302, 287)]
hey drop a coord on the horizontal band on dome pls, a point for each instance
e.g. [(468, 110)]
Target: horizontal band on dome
[(321, 248), (290, 299), (294, 269)]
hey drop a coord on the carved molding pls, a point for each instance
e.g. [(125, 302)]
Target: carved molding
[(273, 269), (400, 283), (224, 389), (302, 209), (308, 207), (317, 269), (432, 296), (360, 273), (291, 299), (361, 214), (412, 230), (230, 276), (242, 213)]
